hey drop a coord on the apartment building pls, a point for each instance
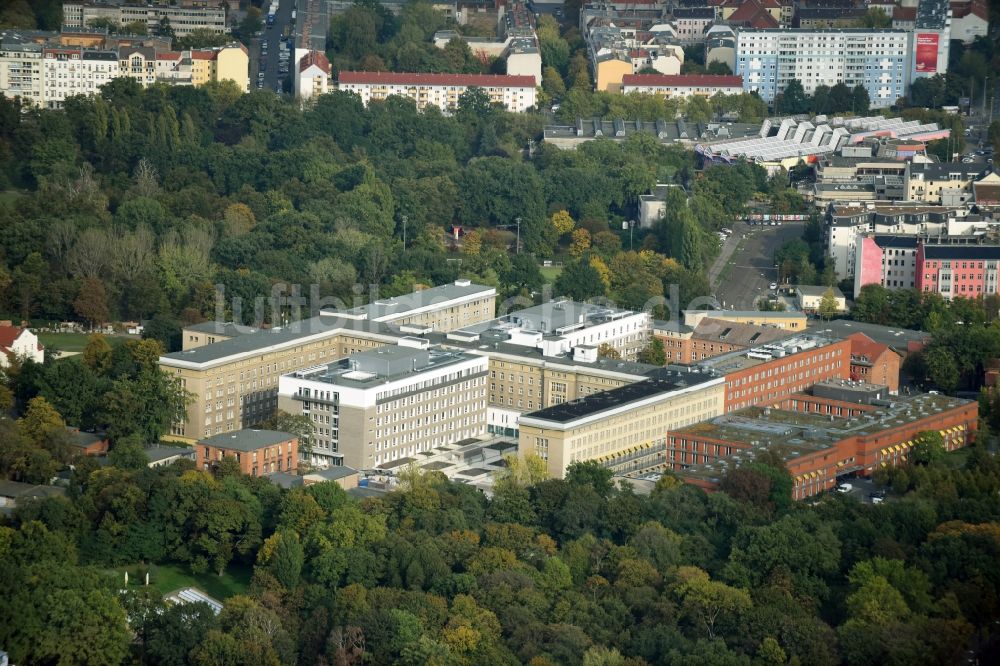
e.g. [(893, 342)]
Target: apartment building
[(968, 271), (969, 19), (21, 68), (692, 22), (138, 63), (258, 452), (182, 20), (768, 373), (234, 380), (682, 85), (876, 59), (200, 66), (821, 439), (846, 225), (943, 183), (312, 75), (514, 93), (625, 428), (379, 406), (68, 72)]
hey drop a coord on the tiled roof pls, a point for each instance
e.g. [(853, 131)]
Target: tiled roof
[(904, 14), (8, 334), (317, 58), (734, 333), (863, 346), (684, 80), (406, 78)]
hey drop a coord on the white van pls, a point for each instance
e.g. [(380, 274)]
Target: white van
[(845, 488)]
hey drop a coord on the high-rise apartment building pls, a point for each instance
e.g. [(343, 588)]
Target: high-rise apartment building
[(21, 65), (878, 60)]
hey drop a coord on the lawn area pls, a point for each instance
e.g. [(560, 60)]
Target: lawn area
[(957, 459), (550, 273), (169, 577), (10, 196), (72, 342)]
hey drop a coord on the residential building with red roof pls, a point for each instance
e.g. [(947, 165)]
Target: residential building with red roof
[(514, 93), (19, 343), (682, 85), (969, 19), (752, 13), (312, 76)]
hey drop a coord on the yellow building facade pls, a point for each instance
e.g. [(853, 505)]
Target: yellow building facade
[(624, 429)]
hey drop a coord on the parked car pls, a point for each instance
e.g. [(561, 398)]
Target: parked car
[(773, 286), (845, 488)]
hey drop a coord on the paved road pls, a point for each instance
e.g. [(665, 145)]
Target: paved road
[(749, 252), (272, 35)]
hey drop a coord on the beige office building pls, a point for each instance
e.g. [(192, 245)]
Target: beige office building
[(389, 404), (232, 371), (626, 428)]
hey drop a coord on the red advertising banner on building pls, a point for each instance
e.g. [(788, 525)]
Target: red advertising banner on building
[(927, 52)]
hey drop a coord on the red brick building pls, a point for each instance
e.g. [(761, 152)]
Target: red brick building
[(821, 440), (767, 374), (712, 337), (873, 362), (258, 452), (88, 443)]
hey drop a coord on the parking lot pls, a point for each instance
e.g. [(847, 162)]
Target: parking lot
[(862, 488)]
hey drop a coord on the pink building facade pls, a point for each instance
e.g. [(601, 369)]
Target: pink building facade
[(966, 271)]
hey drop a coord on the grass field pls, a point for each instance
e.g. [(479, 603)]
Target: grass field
[(72, 342), (9, 196), (550, 273), (167, 578)]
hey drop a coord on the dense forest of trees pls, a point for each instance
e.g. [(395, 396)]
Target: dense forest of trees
[(573, 571), (132, 205)]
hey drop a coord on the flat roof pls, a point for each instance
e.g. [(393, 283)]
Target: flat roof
[(667, 380), (496, 342), (748, 358), (397, 306), (247, 439), (962, 251), (225, 328), (893, 337), (793, 434), (262, 339), (399, 361), (334, 472), (158, 452)]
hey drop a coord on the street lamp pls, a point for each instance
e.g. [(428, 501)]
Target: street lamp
[(404, 232), (631, 226)]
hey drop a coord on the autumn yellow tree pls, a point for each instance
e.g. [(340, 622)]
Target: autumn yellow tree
[(602, 269), (562, 222), (580, 242)]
